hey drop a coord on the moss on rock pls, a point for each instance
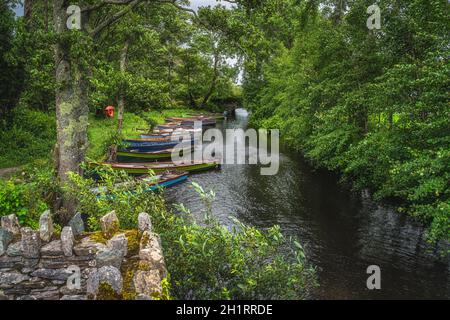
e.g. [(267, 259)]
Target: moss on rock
[(106, 292), (133, 242)]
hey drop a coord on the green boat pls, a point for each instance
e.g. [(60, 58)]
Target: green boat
[(163, 154), (157, 167)]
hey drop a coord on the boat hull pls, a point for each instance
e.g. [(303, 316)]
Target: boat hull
[(143, 168), (151, 155), (152, 146), (168, 183), (144, 155), (164, 181)]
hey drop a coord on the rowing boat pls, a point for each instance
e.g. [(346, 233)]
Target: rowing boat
[(146, 146), (205, 121), (157, 167), (166, 180), (174, 125), (147, 139), (151, 155), (152, 183), (176, 131)]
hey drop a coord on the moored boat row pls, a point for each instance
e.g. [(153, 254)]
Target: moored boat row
[(159, 145)]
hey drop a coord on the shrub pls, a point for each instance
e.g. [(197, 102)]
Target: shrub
[(31, 135), (28, 195), (205, 259)]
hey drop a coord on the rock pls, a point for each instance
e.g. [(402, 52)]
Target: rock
[(73, 297), (150, 240), (29, 263), (64, 290), (32, 283), (88, 247), (77, 224), (58, 262), (16, 291), (153, 260), (148, 282), (15, 249), (31, 243), (109, 224), (52, 249), (109, 257), (67, 241), (144, 222), (46, 226), (27, 297), (107, 274), (12, 278), (150, 253), (49, 293), (10, 262), (52, 274), (142, 297), (3, 296), (11, 223), (118, 243), (5, 240)]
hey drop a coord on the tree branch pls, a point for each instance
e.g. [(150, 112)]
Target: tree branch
[(104, 3), (130, 4), (176, 5)]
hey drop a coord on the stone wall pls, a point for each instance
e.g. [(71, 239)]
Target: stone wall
[(75, 265)]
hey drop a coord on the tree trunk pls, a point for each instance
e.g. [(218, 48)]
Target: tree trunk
[(123, 70), (71, 110), (46, 15), (213, 81), (191, 97), (112, 151), (169, 76), (28, 13)]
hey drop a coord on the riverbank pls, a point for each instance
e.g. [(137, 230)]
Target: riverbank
[(342, 232), (32, 135)]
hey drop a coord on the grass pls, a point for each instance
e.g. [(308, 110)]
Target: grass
[(101, 130), (20, 146)]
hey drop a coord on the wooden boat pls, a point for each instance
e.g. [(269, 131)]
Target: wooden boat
[(155, 135), (148, 139), (205, 121), (174, 126), (176, 131), (217, 116), (164, 180), (151, 155), (152, 145), (157, 167), (167, 136)]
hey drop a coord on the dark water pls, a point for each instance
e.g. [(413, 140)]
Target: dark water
[(342, 233)]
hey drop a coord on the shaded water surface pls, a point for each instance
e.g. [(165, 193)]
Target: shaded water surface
[(342, 233)]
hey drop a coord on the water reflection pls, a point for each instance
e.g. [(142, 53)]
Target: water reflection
[(342, 233)]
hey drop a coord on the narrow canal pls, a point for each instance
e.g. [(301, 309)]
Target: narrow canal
[(342, 232)]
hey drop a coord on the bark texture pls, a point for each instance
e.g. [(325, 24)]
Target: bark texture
[(71, 107)]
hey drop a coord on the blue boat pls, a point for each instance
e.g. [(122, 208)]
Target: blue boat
[(168, 181), (165, 180), (146, 146)]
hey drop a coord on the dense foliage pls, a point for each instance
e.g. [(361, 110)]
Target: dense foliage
[(171, 60), (28, 194), (372, 104), (205, 259)]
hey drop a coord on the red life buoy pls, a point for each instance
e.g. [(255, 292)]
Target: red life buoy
[(109, 111)]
